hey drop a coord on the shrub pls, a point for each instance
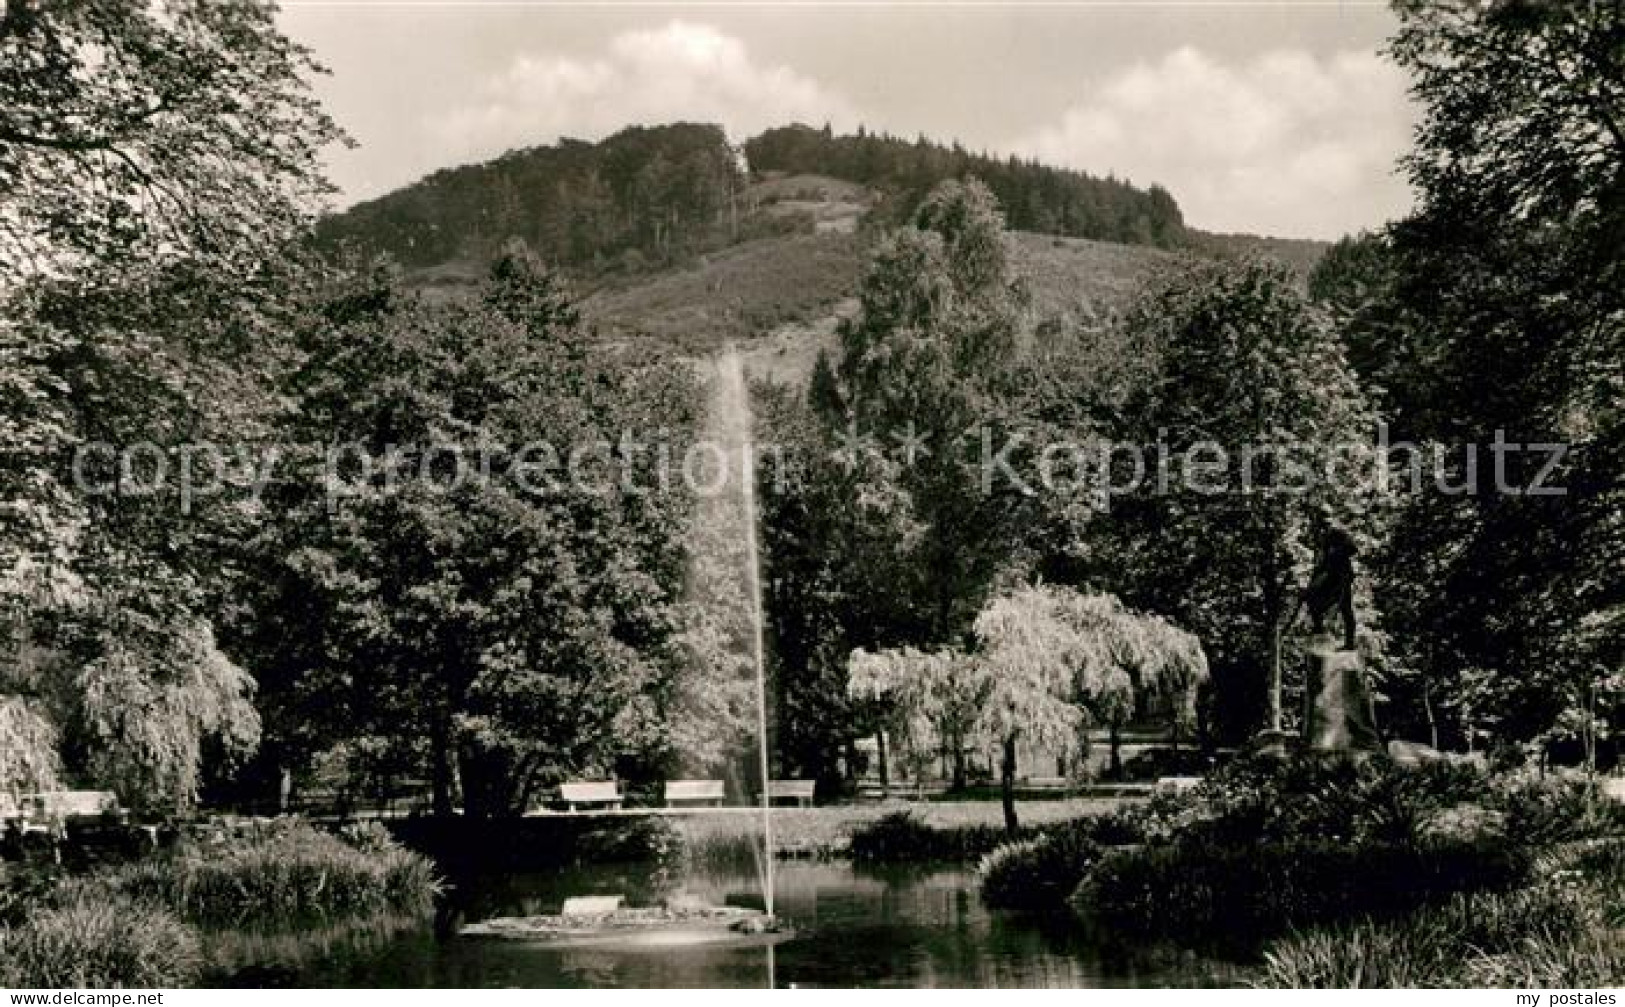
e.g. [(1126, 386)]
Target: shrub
[(1464, 823), (1313, 797), (1154, 763), (902, 838), (898, 836), (1599, 863), (1556, 934), (368, 837), (1037, 873), (22, 887), (648, 840), (1196, 893), (94, 940), (1272, 799), (715, 848), (1555, 808), (1119, 828), (1166, 817), (289, 872)]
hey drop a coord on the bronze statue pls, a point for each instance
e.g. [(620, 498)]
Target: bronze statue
[(1332, 584)]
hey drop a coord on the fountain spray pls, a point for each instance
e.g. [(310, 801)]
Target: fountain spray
[(737, 394)]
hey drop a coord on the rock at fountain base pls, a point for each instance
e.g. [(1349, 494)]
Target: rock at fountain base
[(650, 929), (1338, 714), (763, 924)]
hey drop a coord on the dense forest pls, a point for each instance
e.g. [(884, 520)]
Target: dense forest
[(649, 191), (1035, 197), (654, 195)]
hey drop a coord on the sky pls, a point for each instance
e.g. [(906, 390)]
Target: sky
[(1274, 117)]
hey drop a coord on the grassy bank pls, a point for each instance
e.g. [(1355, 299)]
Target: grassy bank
[(1220, 895), (93, 939), (140, 924), (1565, 930), (286, 873), (542, 843)]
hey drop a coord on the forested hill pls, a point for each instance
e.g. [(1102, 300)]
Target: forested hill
[(1034, 197), (657, 195), (646, 191)]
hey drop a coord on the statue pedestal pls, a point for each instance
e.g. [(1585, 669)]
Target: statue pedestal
[(1337, 715)]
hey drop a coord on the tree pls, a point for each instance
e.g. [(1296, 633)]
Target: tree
[(1498, 314), (1049, 650), (914, 541), (937, 701), (828, 569), (1254, 433), (456, 578), (134, 132), (1031, 655), (646, 194), (112, 560), (1046, 658), (1037, 197), (923, 369), (157, 167), (28, 754)]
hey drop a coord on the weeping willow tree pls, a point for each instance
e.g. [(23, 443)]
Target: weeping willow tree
[(1048, 662), (144, 727), (97, 703), (1031, 655), (28, 747), (1055, 657), (936, 699), (1126, 659)]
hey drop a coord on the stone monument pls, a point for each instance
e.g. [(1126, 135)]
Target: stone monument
[(1337, 708), (1338, 715)]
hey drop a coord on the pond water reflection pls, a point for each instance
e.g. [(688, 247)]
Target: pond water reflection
[(920, 928)]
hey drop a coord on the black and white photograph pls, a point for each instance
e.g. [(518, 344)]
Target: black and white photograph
[(806, 494)]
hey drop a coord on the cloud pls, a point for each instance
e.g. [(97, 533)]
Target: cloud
[(682, 71), (1284, 144)]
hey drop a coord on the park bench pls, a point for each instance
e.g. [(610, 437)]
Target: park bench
[(800, 791), (706, 791), (62, 806), (605, 792), (89, 818)]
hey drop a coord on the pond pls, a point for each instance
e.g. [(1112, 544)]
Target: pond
[(856, 927)]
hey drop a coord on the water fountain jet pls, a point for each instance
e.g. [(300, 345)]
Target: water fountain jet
[(725, 525)]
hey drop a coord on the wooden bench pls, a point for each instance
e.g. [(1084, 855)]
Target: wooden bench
[(706, 791), (74, 805), (605, 792), (800, 791)]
